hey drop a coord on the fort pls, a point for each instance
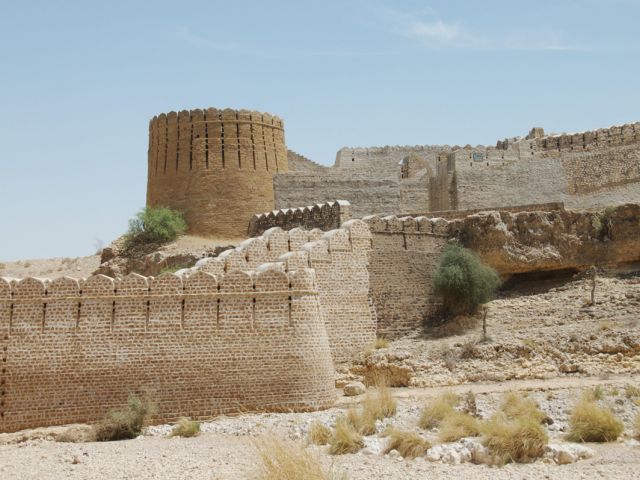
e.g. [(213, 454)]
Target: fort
[(335, 257)]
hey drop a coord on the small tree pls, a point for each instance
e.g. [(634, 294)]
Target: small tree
[(154, 225), (463, 280)]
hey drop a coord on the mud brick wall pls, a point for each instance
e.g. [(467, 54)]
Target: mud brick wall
[(203, 345), (327, 216), (340, 259), (215, 166), (405, 253)]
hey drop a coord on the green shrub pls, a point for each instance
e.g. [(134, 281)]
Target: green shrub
[(185, 428), (125, 423), (154, 225), (463, 280)]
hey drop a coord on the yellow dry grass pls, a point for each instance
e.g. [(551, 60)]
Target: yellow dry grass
[(456, 425), (345, 439), (589, 422), (514, 405), (185, 428), (319, 433), (408, 444), (437, 409), (520, 439), (280, 460)]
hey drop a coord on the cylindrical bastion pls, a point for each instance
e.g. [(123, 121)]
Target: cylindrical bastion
[(215, 166)]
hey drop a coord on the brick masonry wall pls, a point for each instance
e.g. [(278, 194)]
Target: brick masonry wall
[(204, 345), (405, 253), (340, 259), (215, 166), (327, 216)]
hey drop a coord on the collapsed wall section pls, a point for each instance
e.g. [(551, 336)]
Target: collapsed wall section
[(340, 259), (204, 345)]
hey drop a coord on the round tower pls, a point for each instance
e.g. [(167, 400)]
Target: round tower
[(215, 166)]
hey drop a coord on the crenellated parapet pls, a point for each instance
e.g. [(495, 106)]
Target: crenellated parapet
[(603, 137), (215, 166), (204, 344), (325, 216)]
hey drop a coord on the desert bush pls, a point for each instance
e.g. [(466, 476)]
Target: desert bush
[(125, 423), (2, 266), (463, 280), (437, 409), (185, 428), (521, 439), (515, 405), (154, 225), (344, 438), (380, 342), (590, 422), (456, 425), (281, 460), (596, 393), (408, 444), (601, 221), (319, 433), (636, 425)]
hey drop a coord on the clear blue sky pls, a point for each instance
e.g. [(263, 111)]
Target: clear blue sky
[(79, 81)]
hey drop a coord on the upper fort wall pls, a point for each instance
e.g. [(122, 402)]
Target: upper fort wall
[(205, 345), (215, 166)]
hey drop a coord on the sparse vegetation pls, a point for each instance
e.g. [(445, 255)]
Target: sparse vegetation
[(594, 394), (125, 423), (521, 439), (319, 433), (636, 425), (464, 281), (631, 391), (364, 422), (456, 425), (514, 405), (2, 266), (589, 422), (380, 342), (408, 444), (185, 428), (437, 409), (601, 222), (154, 225), (344, 438), (379, 402), (287, 461)]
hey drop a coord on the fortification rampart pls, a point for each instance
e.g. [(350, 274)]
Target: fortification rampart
[(340, 259), (204, 345), (327, 216), (406, 251), (215, 166)]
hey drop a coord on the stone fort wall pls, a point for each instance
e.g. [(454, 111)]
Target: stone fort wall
[(340, 260), (215, 166), (204, 345), (584, 170), (258, 328)]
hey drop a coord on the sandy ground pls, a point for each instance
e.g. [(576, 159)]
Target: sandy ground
[(226, 448), (79, 267)]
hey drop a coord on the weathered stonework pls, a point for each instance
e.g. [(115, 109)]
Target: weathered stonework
[(584, 170), (215, 166)]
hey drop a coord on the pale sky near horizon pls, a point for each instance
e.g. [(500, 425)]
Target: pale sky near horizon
[(79, 81)]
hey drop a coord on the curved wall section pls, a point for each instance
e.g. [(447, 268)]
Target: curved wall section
[(215, 166)]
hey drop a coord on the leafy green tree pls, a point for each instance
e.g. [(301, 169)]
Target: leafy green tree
[(154, 225)]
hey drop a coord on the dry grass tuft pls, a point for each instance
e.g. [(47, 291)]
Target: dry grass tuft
[(590, 422), (185, 428), (437, 409), (379, 343), (363, 422), (287, 461), (514, 405), (521, 439), (631, 391), (636, 425), (379, 403), (319, 433), (344, 438), (594, 394), (408, 444), (456, 425)]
